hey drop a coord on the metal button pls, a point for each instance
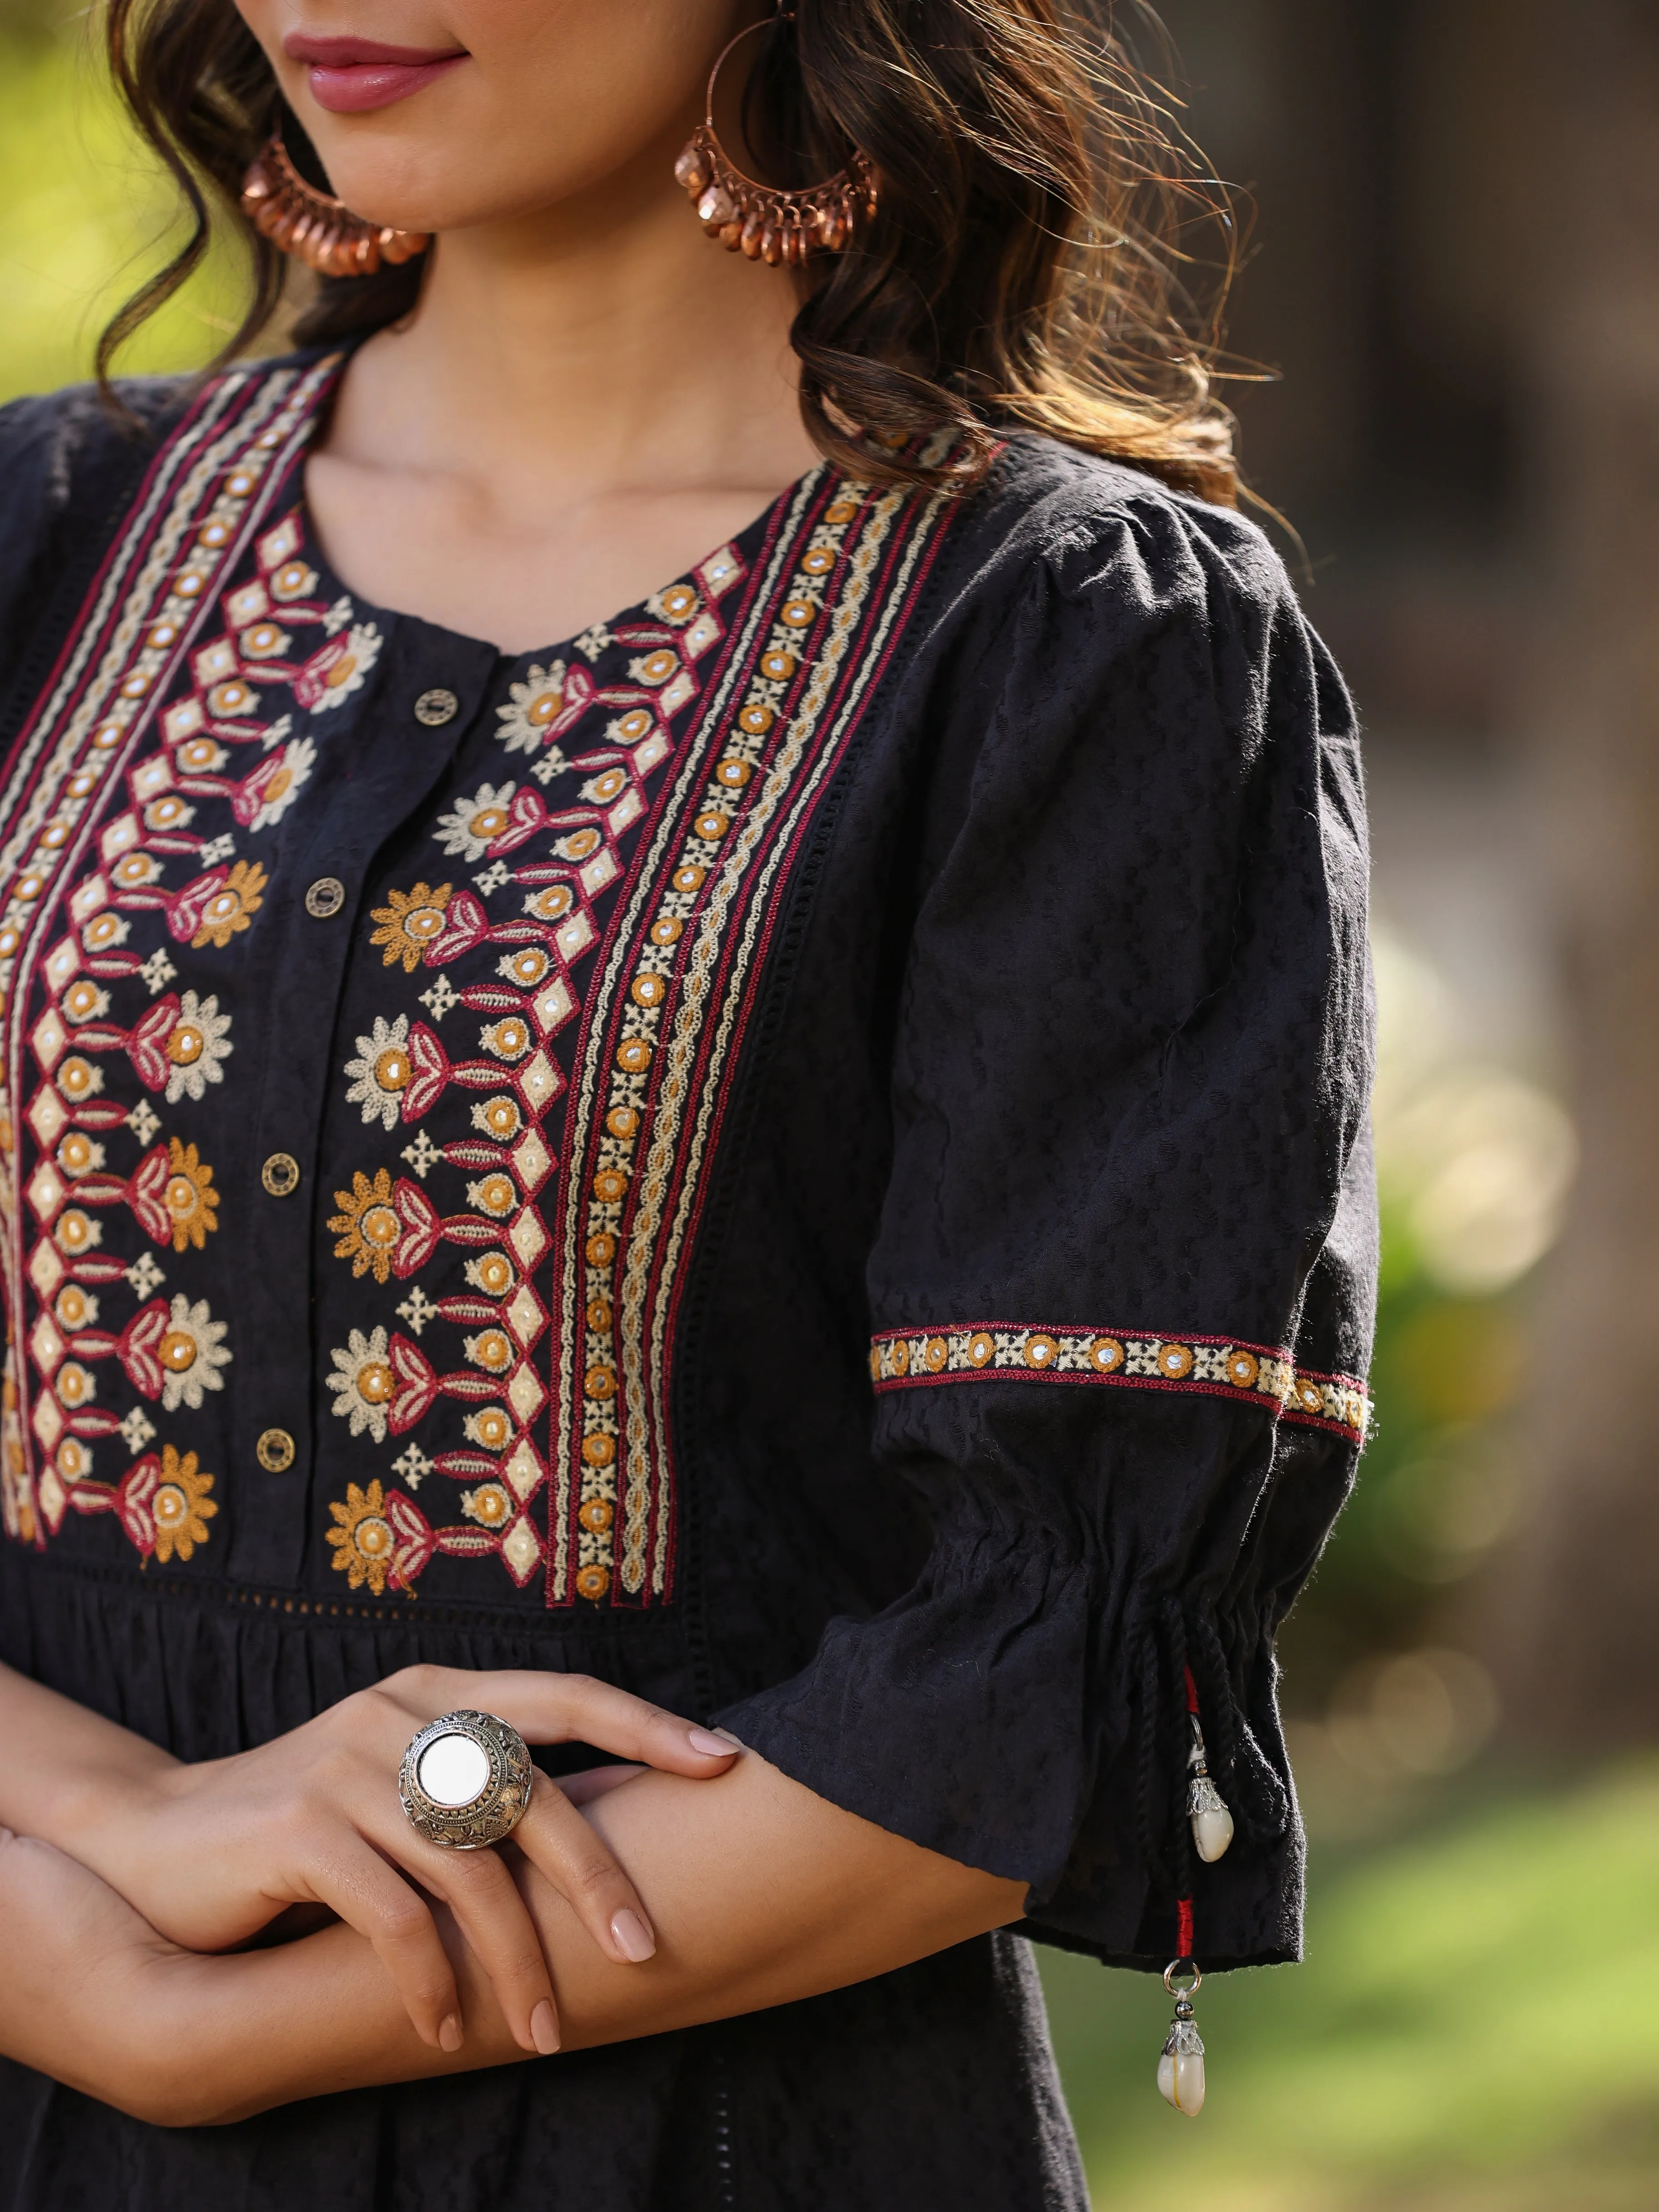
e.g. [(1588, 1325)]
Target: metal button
[(274, 1452), (280, 1175), (326, 898), (434, 708)]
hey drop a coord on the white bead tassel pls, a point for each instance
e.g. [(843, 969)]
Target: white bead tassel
[(1207, 1808), (1181, 2065)]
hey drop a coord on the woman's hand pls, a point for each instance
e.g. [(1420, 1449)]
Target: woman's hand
[(91, 1995), (209, 1854)]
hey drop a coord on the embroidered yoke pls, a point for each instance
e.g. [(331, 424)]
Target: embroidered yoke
[(802, 1151)]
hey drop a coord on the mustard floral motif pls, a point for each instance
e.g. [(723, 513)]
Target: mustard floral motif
[(293, 580), (79, 1155), (190, 1354), (363, 1383), (408, 923), (104, 931), (467, 832), (365, 1548), (191, 1199), (381, 1073), (367, 1226), (181, 1507), (198, 1043), (489, 1505), (231, 910), (532, 706), (84, 1002)]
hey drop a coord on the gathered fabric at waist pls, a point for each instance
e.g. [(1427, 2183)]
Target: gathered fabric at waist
[(208, 1669)]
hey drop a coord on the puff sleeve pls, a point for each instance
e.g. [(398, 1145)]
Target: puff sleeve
[(1121, 1292), (68, 469)]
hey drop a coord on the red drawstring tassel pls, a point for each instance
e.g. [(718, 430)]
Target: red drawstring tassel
[(1181, 2062)]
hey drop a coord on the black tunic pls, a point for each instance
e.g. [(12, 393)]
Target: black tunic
[(802, 1151)]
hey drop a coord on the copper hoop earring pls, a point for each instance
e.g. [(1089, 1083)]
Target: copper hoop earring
[(315, 227), (780, 227)]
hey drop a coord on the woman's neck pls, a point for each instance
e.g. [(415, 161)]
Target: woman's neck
[(583, 404)]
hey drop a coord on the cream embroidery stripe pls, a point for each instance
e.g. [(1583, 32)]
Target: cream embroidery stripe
[(796, 618), (705, 853), (157, 626), (577, 1302), (864, 563), (221, 500), (91, 630), (1218, 1365)]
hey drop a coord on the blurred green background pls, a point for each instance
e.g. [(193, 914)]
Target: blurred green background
[(1477, 2025)]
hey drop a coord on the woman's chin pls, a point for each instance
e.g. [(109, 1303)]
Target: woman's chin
[(402, 203)]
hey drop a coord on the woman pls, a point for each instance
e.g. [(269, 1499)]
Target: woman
[(793, 1159)]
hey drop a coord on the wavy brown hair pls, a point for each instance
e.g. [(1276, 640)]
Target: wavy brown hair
[(1027, 265)]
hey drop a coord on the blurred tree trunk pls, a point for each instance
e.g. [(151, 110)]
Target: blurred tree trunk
[(1579, 1636)]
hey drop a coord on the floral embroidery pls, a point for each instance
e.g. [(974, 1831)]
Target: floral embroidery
[(124, 755), (681, 947), (190, 1353), (197, 1045), (531, 708), (467, 833), (163, 1505), (1217, 1366), (283, 786), (232, 908), (651, 1058), (190, 1198), (364, 1546), (381, 1073), (180, 1507), (409, 922), (364, 1383), (367, 1227), (293, 580), (490, 1503), (340, 669)]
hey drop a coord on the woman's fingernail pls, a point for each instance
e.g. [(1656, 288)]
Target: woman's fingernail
[(707, 1745), (545, 2029), (449, 2035), (634, 1939)]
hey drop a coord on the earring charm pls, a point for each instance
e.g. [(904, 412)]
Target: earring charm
[(316, 227), (748, 218)]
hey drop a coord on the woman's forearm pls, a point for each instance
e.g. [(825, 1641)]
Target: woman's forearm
[(762, 1893), (62, 1766)]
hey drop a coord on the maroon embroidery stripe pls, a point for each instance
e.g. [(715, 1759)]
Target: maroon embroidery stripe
[(1214, 1366), (833, 589), (896, 594), (203, 497)]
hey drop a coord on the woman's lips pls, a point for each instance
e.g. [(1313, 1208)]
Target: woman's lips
[(349, 76)]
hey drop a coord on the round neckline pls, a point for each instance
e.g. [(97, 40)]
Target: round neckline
[(637, 612)]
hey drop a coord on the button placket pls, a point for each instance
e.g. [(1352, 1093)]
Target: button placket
[(362, 795)]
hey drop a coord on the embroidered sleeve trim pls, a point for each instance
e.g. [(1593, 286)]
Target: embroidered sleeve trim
[(1217, 1366)]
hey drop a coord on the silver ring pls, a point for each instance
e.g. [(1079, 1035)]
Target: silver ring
[(466, 1781)]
